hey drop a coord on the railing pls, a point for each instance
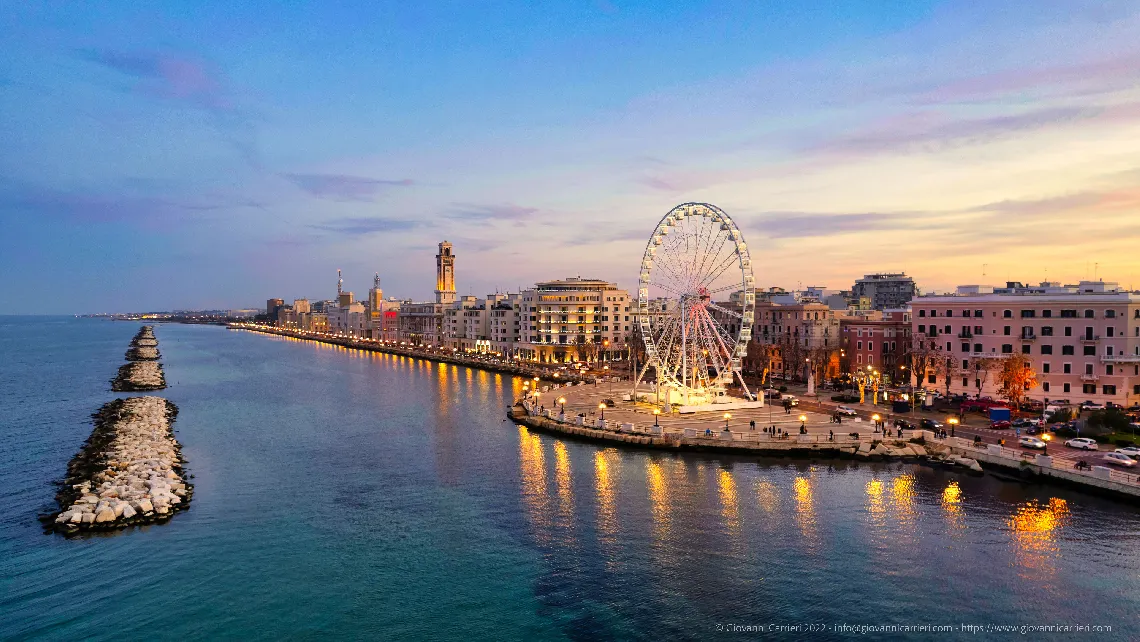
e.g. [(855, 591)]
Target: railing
[(1090, 339), (1088, 376), (1028, 337), (965, 334)]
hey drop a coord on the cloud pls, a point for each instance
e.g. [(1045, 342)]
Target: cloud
[(1096, 76), (819, 224), (343, 187), (490, 213), (364, 225), (169, 76)]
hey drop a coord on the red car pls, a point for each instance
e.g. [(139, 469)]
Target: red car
[(1001, 425)]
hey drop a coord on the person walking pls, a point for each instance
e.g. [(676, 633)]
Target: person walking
[(752, 425)]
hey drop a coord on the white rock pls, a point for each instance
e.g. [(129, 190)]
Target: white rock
[(105, 515), (128, 512), (145, 506)]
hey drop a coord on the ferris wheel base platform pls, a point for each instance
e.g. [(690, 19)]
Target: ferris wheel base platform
[(720, 407)]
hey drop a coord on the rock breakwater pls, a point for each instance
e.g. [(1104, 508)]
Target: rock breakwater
[(138, 376), (129, 472)]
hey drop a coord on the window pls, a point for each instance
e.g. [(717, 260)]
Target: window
[(1006, 330), (932, 379), (965, 364), (1068, 331), (1109, 390), (966, 382), (1007, 348), (1025, 349), (947, 330), (1045, 368), (1068, 368), (1090, 351), (1089, 314), (860, 345), (870, 345), (977, 347), (1110, 314), (1046, 349), (965, 347), (1007, 314), (1089, 388), (949, 313), (1068, 314), (1108, 369), (1046, 330), (1045, 386), (1136, 389), (1110, 331), (1047, 313), (922, 328), (933, 313), (1066, 387), (1067, 350), (1088, 369), (922, 313), (1028, 314)]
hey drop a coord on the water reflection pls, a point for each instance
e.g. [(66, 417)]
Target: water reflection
[(565, 485), (903, 496), (805, 511), (532, 469), (604, 460), (658, 499), (729, 504), (1035, 529), (952, 508), (767, 497)]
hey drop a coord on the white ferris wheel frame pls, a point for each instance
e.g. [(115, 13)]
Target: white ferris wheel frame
[(690, 327)]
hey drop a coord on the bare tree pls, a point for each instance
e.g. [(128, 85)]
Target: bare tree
[(921, 355), (981, 367), (948, 367)]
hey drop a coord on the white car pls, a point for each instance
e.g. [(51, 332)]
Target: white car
[(1084, 443), (1131, 451), (1116, 459), (1092, 406), (1032, 442), (846, 411)]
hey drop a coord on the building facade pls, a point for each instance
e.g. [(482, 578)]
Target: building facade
[(885, 290), (1083, 341), (881, 343), (574, 319)]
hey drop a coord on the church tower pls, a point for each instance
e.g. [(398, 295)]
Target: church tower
[(445, 274)]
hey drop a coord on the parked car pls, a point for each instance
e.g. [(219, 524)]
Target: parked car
[(1084, 443), (1034, 430), (1023, 423), (1090, 405), (1117, 459), (846, 411), (1131, 451), (790, 400), (1031, 442), (930, 424), (772, 393), (1000, 424), (904, 424), (609, 403)]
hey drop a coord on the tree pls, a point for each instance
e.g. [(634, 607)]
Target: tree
[(1015, 377), (947, 367), (921, 356), (981, 367)]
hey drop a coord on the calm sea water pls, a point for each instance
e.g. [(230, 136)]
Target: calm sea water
[(354, 495)]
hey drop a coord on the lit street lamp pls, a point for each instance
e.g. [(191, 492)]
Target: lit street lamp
[(602, 407), (656, 413), (727, 416), (562, 400), (953, 421)]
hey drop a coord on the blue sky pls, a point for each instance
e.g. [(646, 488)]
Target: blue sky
[(216, 154)]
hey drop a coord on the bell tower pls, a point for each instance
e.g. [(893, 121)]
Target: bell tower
[(445, 274)]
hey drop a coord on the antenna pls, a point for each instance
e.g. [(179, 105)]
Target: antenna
[(339, 283), (984, 269)]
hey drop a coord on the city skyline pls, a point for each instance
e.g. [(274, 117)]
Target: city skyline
[(939, 139)]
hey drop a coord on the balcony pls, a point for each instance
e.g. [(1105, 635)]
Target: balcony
[(965, 334), (1090, 377), (1090, 339), (1121, 358), (1028, 336)]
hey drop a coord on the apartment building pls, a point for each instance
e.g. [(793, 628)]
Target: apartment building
[(574, 319), (1083, 341)]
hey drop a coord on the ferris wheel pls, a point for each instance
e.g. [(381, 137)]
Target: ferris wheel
[(695, 257)]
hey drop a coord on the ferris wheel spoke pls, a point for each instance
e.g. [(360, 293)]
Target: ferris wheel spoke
[(707, 253), (720, 269), (725, 310)]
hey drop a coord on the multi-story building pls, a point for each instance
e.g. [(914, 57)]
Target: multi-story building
[(421, 323), (505, 326), (1083, 341), (886, 290), (880, 342), (271, 307), (574, 319)]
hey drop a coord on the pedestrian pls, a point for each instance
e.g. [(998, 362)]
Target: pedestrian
[(831, 435), (752, 425)]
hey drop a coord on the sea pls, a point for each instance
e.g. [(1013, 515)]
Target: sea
[(342, 494)]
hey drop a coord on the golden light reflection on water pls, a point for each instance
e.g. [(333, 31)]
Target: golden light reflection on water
[(658, 498), (532, 469), (767, 496), (803, 493), (1035, 529), (952, 508), (564, 483), (605, 470), (903, 495), (729, 503)]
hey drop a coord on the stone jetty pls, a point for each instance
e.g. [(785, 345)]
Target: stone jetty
[(144, 347), (129, 472), (139, 376)]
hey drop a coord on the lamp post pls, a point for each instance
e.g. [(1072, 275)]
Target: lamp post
[(656, 413), (953, 421), (876, 418), (602, 407), (803, 424), (727, 416), (562, 400)]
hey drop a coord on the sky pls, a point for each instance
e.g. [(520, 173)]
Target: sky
[(156, 156)]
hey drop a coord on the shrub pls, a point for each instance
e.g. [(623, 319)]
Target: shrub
[(1111, 420), (783, 388), (1060, 416)]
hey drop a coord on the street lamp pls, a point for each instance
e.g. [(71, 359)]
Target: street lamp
[(656, 412), (803, 424), (953, 421), (562, 400), (602, 407), (727, 416)]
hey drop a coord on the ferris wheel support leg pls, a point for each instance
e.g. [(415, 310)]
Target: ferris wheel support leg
[(747, 393), (637, 381)]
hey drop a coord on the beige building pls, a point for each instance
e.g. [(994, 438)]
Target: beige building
[(574, 319)]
